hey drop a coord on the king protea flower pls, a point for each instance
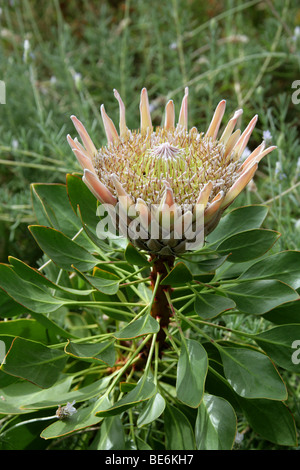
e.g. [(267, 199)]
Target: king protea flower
[(170, 177)]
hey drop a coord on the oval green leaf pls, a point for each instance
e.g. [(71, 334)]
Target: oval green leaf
[(179, 274), (248, 245), (238, 220), (208, 306), (216, 424), (34, 361), (272, 420), (62, 250), (103, 352), (144, 325), (282, 344), (178, 430), (144, 390), (258, 297), (151, 410), (284, 266), (191, 373), (251, 374)]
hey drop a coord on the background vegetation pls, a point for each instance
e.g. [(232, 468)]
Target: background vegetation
[(59, 58)]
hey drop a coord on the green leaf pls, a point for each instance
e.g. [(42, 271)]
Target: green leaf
[(278, 344), (144, 390), (54, 396), (26, 328), (54, 200), (81, 197), (84, 418), (52, 326), (287, 313), (208, 306), (8, 306), (103, 352), (104, 281), (229, 271), (18, 397), (271, 420), (199, 266), (151, 410), (35, 298), (62, 250), (34, 362), (177, 275), (258, 297), (238, 220), (126, 386), (27, 273), (283, 266), (251, 374), (248, 245), (178, 430), (38, 207), (136, 444), (191, 373), (216, 424), (111, 435), (144, 325), (135, 257)]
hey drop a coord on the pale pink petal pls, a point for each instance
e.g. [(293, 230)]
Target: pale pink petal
[(168, 197), (214, 206), (109, 127), (183, 115), (254, 154), (170, 115), (83, 160), (145, 112), (205, 193), (239, 185), (122, 123), (80, 146), (202, 201), (243, 140), (144, 213), (74, 144), (86, 140), (257, 158), (124, 199), (99, 190), (231, 142), (230, 126), (216, 120)]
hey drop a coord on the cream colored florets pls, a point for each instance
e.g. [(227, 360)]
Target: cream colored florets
[(186, 160)]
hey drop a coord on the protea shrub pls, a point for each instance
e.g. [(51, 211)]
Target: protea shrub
[(174, 340), (165, 189), (177, 181)]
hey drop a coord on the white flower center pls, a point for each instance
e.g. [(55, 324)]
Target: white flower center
[(166, 151)]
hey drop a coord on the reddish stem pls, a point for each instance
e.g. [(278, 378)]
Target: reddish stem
[(160, 307)]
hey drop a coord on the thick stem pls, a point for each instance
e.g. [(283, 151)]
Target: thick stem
[(160, 307)]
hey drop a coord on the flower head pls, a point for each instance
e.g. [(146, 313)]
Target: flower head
[(171, 176)]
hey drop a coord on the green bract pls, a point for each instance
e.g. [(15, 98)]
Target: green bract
[(81, 327)]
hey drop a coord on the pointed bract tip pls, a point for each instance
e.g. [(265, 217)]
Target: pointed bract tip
[(109, 127), (100, 191), (145, 112)]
